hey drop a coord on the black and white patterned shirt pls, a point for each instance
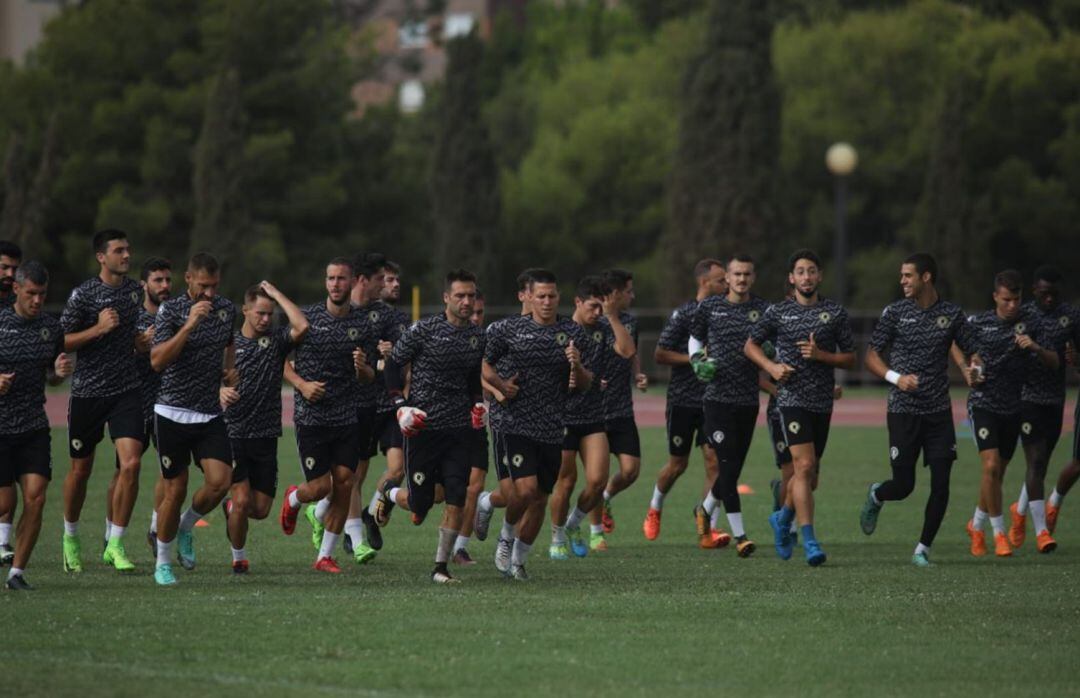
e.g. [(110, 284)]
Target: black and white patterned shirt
[(619, 373), (587, 407), (383, 328), (28, 349), (537, 354), (191, 382), (445, 372), (1005, 365), (401, 321), (724, 326), (498, 414), (149, 379), (684, 389), (260, 362), (104, 366), (1046, 386), (786, 323), (918, 341), (8, 300), (326, 355)]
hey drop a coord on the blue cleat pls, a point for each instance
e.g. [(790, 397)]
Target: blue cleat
[(815, 556), (163, 575), (781, 536), (578, 545), (185, 549)]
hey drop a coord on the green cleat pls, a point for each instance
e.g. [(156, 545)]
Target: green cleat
[(164, 576), (317, 528), (559, 551), (116, 556), (870, 510), (185, 549), (363, 554), (921, 560), (72, 554), (597, 542)]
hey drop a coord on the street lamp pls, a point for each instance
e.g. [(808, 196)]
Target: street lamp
[(841, 159)]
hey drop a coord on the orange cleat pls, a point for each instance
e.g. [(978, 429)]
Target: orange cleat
[(978, 540), (1044, 543), (288, 514), (745, 547), (651, 527), (720, 537), (327, 564), (1051, 517), (1018, 529), (240, 566), (1001, 545)]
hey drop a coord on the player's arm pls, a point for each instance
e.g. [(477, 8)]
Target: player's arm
[(298, 322), (876, 365), (624, 343), (970, 365), (508, 387), (312, 391), (107, 321), (491, 390), (230, 377), (667, 357), (167, 350), (765, 384), (60, 369), (1048, 357), (581, 377), (754, 352)]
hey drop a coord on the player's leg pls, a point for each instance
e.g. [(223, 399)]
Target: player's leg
[(546, 459), (680, 443), (8, 495), (127, 428), (33, 486), (807, 435), (627, 447), (743, 421), (905, 444), (237, 512), (722, 435), (477, 476), (559, 502), (315, 447), (86, 425), (1039, 433), (596, 460), (27, 461), (212, 450), (452, 470), (1066, 479), (487, 502)]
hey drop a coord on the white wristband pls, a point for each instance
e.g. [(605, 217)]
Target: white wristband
[(893, 377)]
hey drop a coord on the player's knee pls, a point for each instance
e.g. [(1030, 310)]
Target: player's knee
[(34, 501), (241, 501)]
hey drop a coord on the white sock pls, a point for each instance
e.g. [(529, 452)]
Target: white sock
[(794, 527), (393, 494), (558, 534), (321, 508), (596, 528), (735, 521), (189, 519), (1038, 516), (520, 553), (164, 553), (14, 572), (998, 524), (575, 518), (329, 542), (5, 534), (607, 496), (116, 532), (657, 498), (978, 521), (294, 501), (153, 520), (873, 495), (1022, 502), (1055, 498), (354, 528), (372, 503), (238, 555), (709, 505), (507, 532), (714, 520), (484, 502), (460, 543), (446, 542), (108, 528), (71, 527), (923, 549)]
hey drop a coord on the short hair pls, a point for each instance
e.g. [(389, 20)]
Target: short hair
[(10, 249), (341, 262), (702, 267), (462, 275), (393, 267), (1009, 279), (541, 276), (479, 294), (1048, 273), (524, 279), (803, 254), (32, 271), (153, 264), (923, 262), (742, 257), (368, 264), (255, 292), (592, 286), (204, 261), (102, 238), (617, 279)]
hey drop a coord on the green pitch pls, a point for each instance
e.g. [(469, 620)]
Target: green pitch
[(645, 618)]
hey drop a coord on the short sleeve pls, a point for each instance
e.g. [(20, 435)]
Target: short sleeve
[(73, 318), (845, 343), (765, 330), (408, 345), (885, 330), (495, 346), (164, 323)]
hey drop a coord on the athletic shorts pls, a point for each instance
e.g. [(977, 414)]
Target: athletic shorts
[(804, 427), (87, 417), (992, 430), (498, 454), (1041, 424), (685, 429), (776, 435), (932, 435), (28, 453), (367, 434), (530, 458), (438, 457), (255, 460), (622, 436), (179, 444), (149, 437), (478, 449), (321, 448), (388, 432), (730, 429), (574, 433)]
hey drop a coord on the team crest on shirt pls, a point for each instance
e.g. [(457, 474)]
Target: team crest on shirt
[(1026, 428), (166, 462), (718, 436), (517, 460), (677, 440), (134, 296), (373, 316), (942, 321), (474, 342), (894, 452), (1020, 328), (983, 433), (1063, 321), (222, 315), (309, 462), (76, 444), (597, 336), (45, 334), (794, 427), (561, 338), (353, 333), (780, 446), (825, 317), (753, 315), (419, 478), (264, 342)]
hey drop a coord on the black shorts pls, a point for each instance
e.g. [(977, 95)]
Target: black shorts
[(438, 457), (776, 435), (255, 460), (498, 454), (932, 435), (685, 429), (574, 433), (622, 436), (530, 458), (29, 453), (87, 417), (367, 434), (179, 443), (388, 432), (149, 437), (478, 449), (992, 430), (321, 448), (804, 427), (730, 429), (1041, 424)]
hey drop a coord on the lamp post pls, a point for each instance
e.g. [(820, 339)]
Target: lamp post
[(841, 159)]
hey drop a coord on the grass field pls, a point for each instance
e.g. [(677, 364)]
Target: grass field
[(643, 619)]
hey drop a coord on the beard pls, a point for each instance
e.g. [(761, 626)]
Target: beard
[(806, 294)]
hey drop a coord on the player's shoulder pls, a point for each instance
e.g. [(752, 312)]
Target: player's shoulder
[(85, 290), (982, 317), (223, 303), (758, 303), (833, 307), (175, 305)]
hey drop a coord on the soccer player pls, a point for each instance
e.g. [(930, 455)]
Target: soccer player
[(330, 366), (543, 354), (916, 334), (443, 411), (1043, 403), (10, 256), (1005, 350), (33, 348), (812, 337), (194, 352), (99, 324), (253, 415), (622, 371), (478, 463), (584, 428), (718, 334)]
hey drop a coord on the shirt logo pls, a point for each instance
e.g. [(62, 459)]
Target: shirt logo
[(894, 452), (718, 436), (597, 336), (824, 317), (794, 427), (753, 316), (45, 334), (983, 433), (222, 315), (517, 460), (560, 338), (134, 296), (419, 478), (264, 342), (353, 333), (1063, 321), (373, 316), (474, 342), (942, 321), (1019, 328)]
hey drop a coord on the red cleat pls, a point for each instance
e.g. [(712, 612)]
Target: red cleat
[(1051, 517), (720, 537), (240, 567), (651, 527), (327, 564), (605, 516), (288, 514)]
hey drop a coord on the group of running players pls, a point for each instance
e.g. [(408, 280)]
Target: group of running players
[(172, 370)]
